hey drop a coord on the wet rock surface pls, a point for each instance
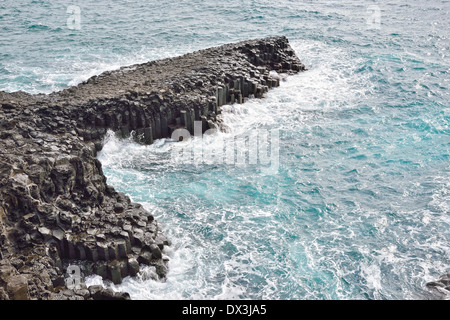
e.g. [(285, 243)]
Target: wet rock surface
[(441, 287), (55, 205)]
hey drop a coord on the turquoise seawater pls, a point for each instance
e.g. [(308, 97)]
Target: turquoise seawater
[(359, 205)]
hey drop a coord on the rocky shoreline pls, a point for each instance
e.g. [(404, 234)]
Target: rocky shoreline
[(56, 208)]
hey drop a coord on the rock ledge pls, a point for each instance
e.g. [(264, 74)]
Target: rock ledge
[(56, 208)]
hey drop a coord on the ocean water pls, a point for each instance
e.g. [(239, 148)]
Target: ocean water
[(358, 204)]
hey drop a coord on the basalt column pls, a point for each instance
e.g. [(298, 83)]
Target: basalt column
[(56, 207)]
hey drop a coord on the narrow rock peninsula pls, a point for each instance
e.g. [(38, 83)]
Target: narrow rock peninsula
[(56, 207)]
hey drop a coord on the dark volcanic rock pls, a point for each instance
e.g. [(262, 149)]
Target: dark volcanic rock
[(441, 287), (55, 204)]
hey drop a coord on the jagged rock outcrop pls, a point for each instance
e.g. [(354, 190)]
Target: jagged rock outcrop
[(441, 287), (55, 203)]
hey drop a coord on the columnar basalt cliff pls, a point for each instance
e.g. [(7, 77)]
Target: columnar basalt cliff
[(55, 204)]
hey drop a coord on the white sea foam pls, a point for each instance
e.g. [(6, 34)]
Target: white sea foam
[(285, 107), (217, 248)]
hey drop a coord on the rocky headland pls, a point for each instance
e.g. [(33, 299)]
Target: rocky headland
[(56, 208)]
